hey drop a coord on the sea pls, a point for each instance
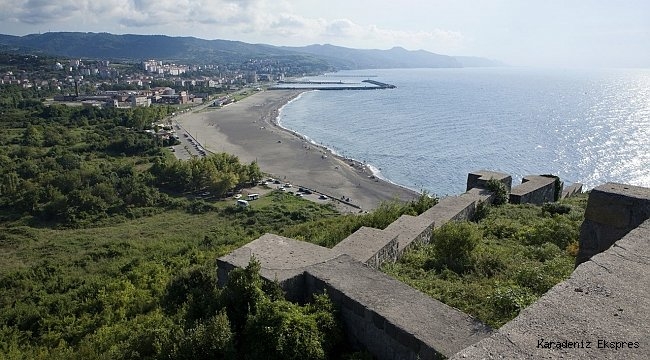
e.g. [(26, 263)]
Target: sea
[(585, 125)]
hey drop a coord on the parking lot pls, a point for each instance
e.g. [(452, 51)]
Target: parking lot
[(188, 147)]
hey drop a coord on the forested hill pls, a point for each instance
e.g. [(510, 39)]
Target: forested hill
[(194, 50)]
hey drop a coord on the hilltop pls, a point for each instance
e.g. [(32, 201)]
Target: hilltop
[(194, 50)]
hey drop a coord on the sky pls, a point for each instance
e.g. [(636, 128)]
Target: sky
[(548, 33)]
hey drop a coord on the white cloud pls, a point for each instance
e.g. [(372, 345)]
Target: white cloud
[(247, 20)]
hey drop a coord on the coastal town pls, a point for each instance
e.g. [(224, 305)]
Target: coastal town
[(102, 83)]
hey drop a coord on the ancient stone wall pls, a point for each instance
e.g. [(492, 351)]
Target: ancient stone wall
[(612, 211), (391, 319), (479, 179), (534, 189), (571, 190), (601, 311), (381, 314), (370, 246)]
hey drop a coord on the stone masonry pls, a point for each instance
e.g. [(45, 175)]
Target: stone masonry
[(612, 211), (602, 311), (534, 189), (381, 314)]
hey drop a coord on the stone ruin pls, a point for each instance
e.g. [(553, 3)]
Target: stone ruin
[(605, 299)]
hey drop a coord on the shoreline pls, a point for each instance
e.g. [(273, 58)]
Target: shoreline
[(374, 171), (250, 130)]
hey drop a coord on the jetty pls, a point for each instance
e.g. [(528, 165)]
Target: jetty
[(331, 85)]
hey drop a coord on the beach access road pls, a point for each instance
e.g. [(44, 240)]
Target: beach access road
[(247, 129)]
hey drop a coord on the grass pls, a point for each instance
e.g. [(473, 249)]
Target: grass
[(109, 276), (523, 252)]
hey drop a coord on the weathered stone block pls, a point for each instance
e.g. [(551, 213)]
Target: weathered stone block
[(478, 179), (534, 189), (573, 189), (612, 211), (281, 259), (370, 246), (412, 321)]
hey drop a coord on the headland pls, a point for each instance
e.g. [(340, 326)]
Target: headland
[(248, 129)]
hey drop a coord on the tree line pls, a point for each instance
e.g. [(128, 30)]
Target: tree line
[(75, 165)]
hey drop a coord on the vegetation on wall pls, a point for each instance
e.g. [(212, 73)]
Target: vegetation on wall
[(328, 232), (496, 267)]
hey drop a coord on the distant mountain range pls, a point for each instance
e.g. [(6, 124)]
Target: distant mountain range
[(194, 50)]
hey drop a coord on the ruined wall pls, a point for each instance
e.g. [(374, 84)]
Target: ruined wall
[(534, 189), (381, 314), (370, 246), (600, 312), (457, 208), (612, 211), (391, 319), (410, 230), (479, 179)]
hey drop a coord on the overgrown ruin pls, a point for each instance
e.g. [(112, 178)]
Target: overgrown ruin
[(604, 299)]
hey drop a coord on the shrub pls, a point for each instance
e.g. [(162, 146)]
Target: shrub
[(557, 230), (488, 262), (508, 300), (482, 211), (280, 330), (499, 190), (453, 244), (556, 208), (544, 252), (212, 339), (534, 278)]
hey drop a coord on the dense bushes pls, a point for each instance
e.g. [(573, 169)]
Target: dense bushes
[(524, 250), (76, 166), (217, 173), (452, 246)]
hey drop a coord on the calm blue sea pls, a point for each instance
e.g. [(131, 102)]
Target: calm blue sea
[(589, 126)]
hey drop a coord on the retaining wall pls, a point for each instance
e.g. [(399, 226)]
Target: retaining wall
[(534, 189), (612, 211), (391, 319), (602, 311)]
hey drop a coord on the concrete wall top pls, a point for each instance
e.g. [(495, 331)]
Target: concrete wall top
[(459, 207), (603, 305), (407, 228), (478, 179), (618, 205), (439, 326), (280, 258), (364, 243), (532, 183)]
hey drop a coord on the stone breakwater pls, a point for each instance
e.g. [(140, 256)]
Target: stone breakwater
[(395, 321)]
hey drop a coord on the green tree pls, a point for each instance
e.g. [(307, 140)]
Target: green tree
[(212, 339), (452, 245), (32, 136)]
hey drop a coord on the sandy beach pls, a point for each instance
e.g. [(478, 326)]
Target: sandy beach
[(247, 129)]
